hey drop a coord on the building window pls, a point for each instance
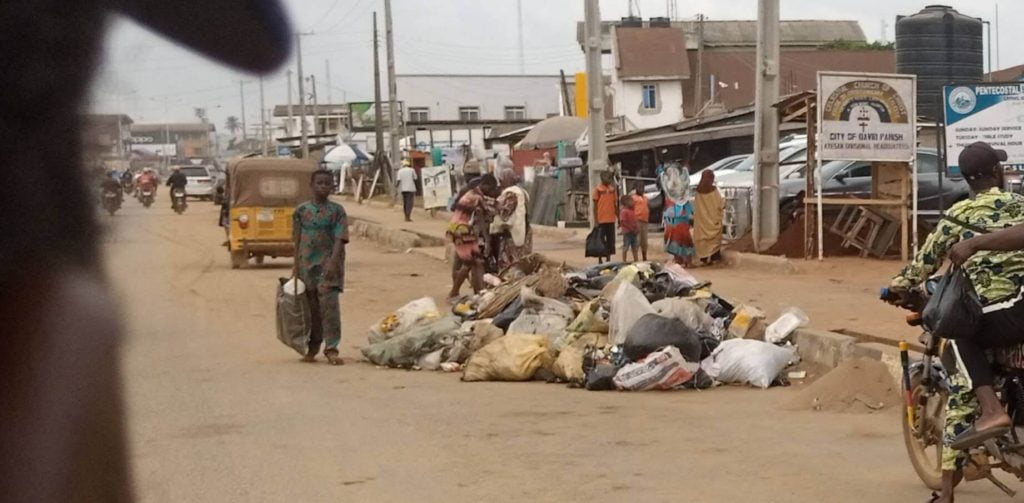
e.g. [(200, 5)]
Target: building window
[(419, 114), (650, 96), (515, 113), (469, 114)]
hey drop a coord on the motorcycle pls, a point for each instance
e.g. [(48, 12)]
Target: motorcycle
[(178, 201), (147, 195), (111, 201), (925, 386), (126, 185)]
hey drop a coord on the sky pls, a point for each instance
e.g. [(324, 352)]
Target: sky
[(153, 80)]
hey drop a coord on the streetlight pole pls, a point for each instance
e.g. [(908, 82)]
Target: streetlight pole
[(263, 120), (766, 127)]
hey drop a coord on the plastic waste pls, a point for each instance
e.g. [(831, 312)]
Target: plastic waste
[(402, 319), (601, 377), (790, 320), (653, 332), (745, 319), (430, 361), (294, 321), (663, 369), (591, 319), (510, 358), (627, 306), (569, 365), (748, 361), (541, 315), (406, 348), (688, 312)]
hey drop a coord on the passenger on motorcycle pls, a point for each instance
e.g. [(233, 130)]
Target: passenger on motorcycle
[(176, 181), (997, 278), (146, 179)]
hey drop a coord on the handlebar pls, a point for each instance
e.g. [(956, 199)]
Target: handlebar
[(913, 301)]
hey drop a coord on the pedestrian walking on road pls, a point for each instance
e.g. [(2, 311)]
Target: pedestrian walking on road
[(473, 205), (320, 232), (630, 227), (708, 209), (405, 180), (643, 216), (511, 236), (605, 199)]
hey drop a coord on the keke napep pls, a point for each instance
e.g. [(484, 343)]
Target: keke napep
[(263, 194)]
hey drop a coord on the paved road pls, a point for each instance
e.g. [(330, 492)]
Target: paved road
[(220, 411)]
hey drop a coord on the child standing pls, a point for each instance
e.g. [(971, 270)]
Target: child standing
[(630, 226)]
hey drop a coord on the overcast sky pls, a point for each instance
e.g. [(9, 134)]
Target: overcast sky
[(142, 73)]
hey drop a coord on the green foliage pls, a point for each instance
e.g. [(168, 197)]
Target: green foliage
[(858, 45)]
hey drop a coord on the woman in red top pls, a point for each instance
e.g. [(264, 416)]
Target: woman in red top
[(629, 225)]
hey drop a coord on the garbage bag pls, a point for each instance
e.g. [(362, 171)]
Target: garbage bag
[(627, 306), (431, 361), (405, 349), (541, 316), (662, 369), (652, 332), (688, 312), (510, 358), (472, 336), (402, 319), (790, 320), (591, 319), (748, 361), (506, 317), (601, 377), (595, 246), (294, 321), (580, 340), (569, 364)]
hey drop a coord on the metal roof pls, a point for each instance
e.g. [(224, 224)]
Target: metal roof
[(651, 53), (743, 33)]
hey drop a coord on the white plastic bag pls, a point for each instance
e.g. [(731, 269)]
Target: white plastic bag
[(294, 321), (430, 361), (403, 319), (790, 320), (688, 312), (541, 316), (628, 305), (661, 370), (748, 361)]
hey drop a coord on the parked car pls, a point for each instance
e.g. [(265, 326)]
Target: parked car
[(200, 181), (791, 155), (719, 167), (853, 178)]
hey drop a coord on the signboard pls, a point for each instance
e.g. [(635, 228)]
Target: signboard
[(866, 116), (156, 149), (437, 186), (992, 113), (362, 115)]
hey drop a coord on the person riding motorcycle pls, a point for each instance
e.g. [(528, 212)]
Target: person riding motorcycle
[(109, 184), (177, 181), (997, 278), (146, 180)]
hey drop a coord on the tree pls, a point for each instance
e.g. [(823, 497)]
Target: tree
[(233, 125), (200, 113)]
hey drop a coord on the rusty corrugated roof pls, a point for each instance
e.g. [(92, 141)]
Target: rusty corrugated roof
[(651, 53)]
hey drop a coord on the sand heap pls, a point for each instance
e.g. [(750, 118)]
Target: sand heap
[(855, 386)]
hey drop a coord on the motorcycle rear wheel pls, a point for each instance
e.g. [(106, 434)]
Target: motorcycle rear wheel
[(924, 444)]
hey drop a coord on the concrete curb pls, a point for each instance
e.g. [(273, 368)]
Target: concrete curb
[(769, 263), (830, 349), (396, 239)]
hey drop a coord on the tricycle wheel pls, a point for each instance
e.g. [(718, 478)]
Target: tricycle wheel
[(923, 438), (259, 259), (239, 259)]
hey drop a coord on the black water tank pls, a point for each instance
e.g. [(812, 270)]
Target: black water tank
[(660, 22), (632, 22), (941, 46)]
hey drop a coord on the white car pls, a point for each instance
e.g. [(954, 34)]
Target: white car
[(200, 181)]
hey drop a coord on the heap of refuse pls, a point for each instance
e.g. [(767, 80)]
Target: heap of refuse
[(633, 327)]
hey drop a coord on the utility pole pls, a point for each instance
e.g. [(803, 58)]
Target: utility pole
[(302, 97), (597, 161), (316, 112), (327, 68), (241, 96), (380, 153), (519, 28), (766, 127), (567, 107), (291, 115), (698, 91), (263, 120), (396, 152)]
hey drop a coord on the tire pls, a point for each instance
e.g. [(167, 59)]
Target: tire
[(259, 259), (924, 448), (239, 260)]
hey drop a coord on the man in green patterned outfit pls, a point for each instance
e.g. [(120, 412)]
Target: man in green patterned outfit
[(997, 278), (320, 232)]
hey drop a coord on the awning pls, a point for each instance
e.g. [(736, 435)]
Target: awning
[(647, 142)]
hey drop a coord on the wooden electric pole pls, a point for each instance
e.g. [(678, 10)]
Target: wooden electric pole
[(302, 97), (597, 158), (396, 153)]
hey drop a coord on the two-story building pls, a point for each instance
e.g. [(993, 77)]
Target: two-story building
[(647, 75), (106, 136), (180, 141), (446, 111), (329, 119)]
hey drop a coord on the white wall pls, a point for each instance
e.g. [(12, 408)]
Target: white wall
[(444, 94), (629, 101)]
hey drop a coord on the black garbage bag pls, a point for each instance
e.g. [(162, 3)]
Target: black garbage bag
[(701, 380), (652, 332), (506, 317), (595, 244), (708, 344), (601, 377)]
